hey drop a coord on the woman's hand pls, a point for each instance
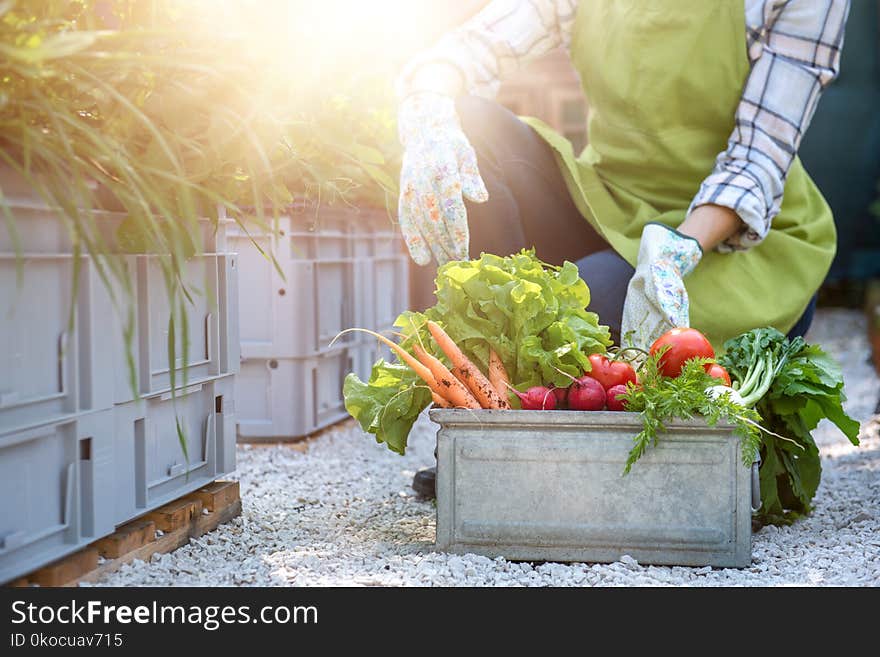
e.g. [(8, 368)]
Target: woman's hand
[(656, 298), (439, 170), (710, 225)]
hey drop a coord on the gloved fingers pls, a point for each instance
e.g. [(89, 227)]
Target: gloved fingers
[(644, 318), (669, 295), (456, 224), (434, 229), (409, 219), (472, 186), (661, 243), (445, 202)]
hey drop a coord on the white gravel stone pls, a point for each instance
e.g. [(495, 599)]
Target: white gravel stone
[(342, 514)]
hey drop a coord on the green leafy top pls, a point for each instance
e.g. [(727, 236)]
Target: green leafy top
[(807, 387), (660, 398), (533, 314)]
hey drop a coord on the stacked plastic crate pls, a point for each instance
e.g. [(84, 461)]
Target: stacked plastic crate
[(79, 454), (339, 268)]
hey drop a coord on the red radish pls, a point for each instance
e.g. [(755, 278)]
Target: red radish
[(611, 398), (536, 398), (561, 395), (586, 394)]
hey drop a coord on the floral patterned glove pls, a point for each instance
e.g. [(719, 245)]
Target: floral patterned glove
[(439, 168), (656, 299)]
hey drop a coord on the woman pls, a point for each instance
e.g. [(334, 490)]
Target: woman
[(689, 206)]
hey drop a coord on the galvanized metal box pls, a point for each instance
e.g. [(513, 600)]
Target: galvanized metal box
[(549, 486)]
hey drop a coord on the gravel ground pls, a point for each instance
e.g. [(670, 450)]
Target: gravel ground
[(340, 512)]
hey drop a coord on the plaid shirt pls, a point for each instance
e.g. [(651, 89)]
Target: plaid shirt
[(794, 49)]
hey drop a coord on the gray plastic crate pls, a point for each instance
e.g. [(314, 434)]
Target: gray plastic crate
[(53, 368), (282, 398), (342, 268), (212, 316), (346, 269), (38, 359), (301, 313), (55, 481), (547, 486), (150, 468)]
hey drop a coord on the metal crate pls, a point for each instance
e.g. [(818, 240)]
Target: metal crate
[(547, 486)]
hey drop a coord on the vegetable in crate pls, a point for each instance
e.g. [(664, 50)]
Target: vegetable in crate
[(660, 398), (793, 385), (532, 315)]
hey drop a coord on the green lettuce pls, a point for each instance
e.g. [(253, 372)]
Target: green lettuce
[(388, 404), (532, 314)]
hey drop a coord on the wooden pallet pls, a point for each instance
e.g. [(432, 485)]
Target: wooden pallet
[(188, 517)]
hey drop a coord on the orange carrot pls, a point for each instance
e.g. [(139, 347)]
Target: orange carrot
[(498, 376), (474, 379), (453, 389), (442, 403), (423, 372)]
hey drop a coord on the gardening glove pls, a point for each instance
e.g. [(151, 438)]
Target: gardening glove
[(656, 299), (439, 168)]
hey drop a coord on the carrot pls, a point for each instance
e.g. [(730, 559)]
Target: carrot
[(453, 389), (440, 401), (423, 372), (498, 376), (474, 379)]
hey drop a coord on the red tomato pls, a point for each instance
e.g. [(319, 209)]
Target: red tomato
[(611, 372), (714, 369), (684, 344)]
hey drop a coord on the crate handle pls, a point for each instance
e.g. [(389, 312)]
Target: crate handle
[(62, 361), (756, 486), (208, 440), (208, 349), (12, 540), (175, 469), (69, 494)]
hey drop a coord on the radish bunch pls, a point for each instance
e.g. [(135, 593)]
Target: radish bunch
[(586, 393)]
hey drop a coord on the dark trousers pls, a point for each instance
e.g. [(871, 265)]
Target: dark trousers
[(529, 206)]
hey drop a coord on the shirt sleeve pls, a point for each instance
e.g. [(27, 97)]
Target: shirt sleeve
[(795, 54), (498, 40)]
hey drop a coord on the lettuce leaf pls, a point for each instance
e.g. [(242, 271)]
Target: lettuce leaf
[(531, 313), (388, 404)]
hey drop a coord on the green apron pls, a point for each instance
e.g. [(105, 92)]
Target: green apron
[(663, 80)]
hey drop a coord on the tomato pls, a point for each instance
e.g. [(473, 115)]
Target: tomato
[(684, 344), (714, 369), (611, 372)]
